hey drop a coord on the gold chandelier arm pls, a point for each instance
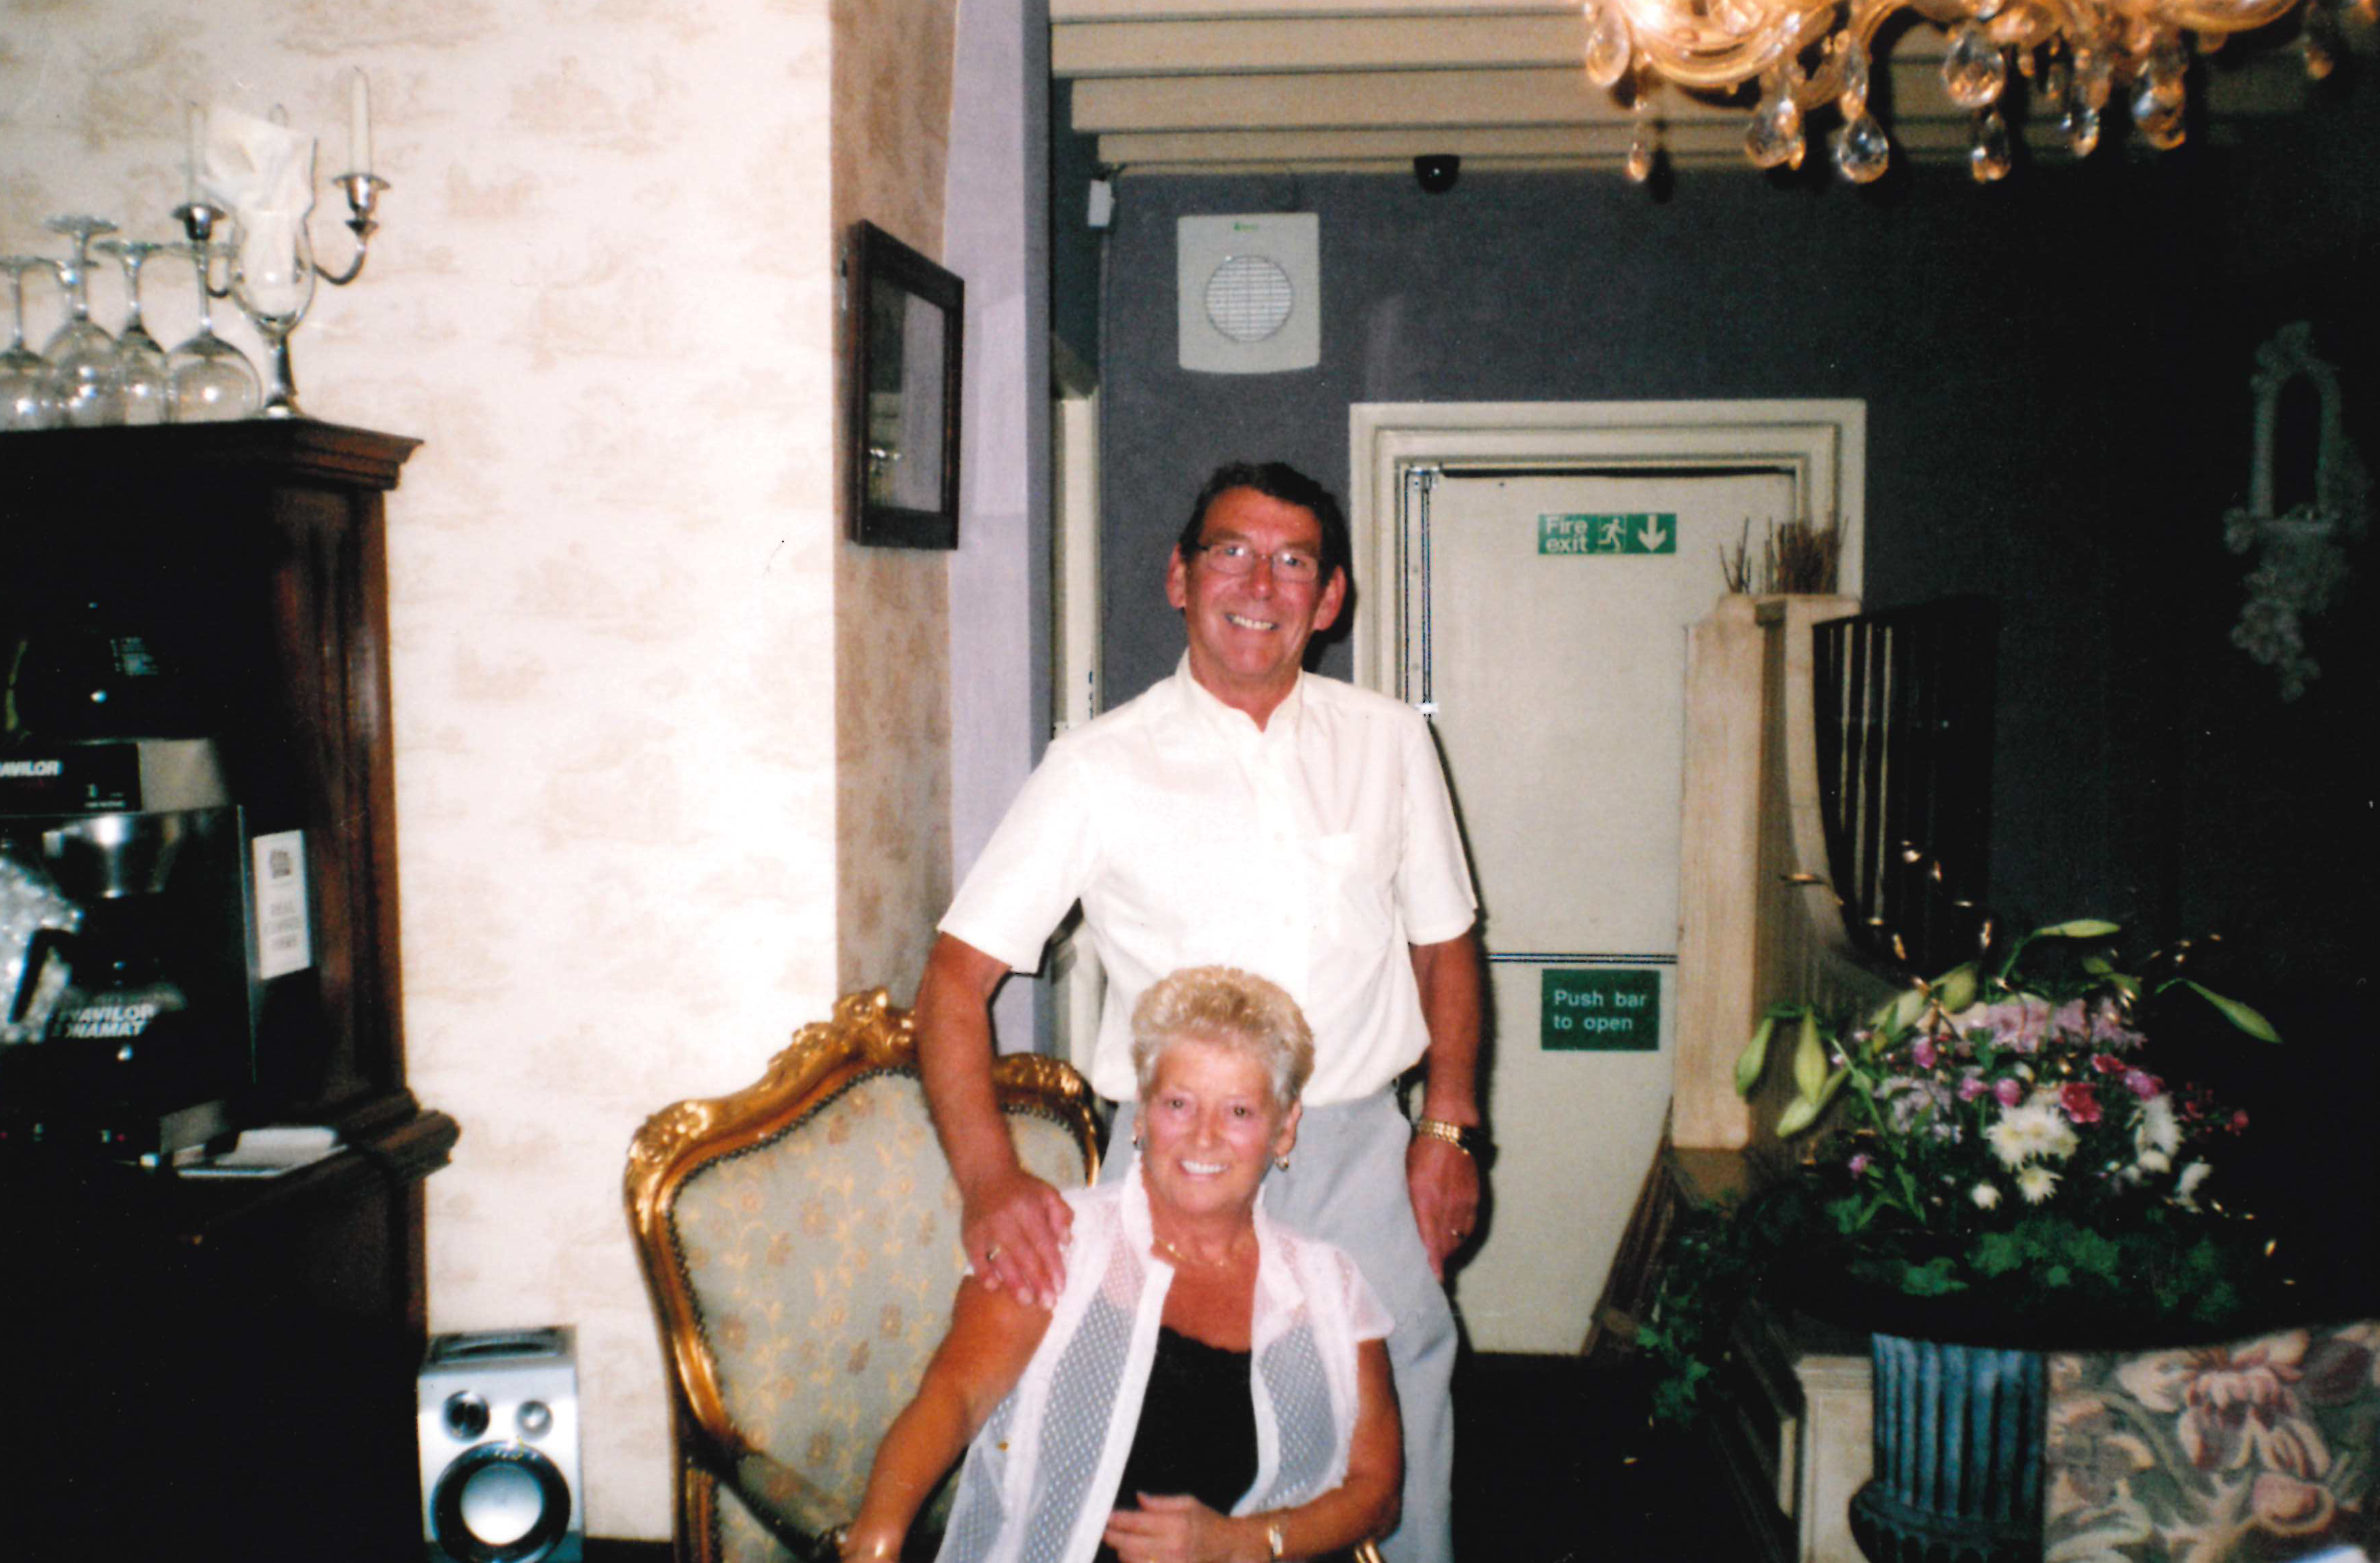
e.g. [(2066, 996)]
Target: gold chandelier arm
[(1720, 45)]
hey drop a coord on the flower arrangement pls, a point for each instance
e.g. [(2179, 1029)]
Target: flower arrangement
[(2006, 1151), (2006, 1122)]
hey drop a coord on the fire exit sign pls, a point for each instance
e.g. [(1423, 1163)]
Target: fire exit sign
[(1637, 532), (1604, 1010)]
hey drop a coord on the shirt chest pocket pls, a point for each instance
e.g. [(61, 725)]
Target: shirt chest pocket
[(1353, 881)]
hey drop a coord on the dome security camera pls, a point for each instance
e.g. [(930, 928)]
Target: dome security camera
[(1436, 171)]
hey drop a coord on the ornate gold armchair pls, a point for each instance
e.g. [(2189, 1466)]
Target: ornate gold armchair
[(800, 1239)]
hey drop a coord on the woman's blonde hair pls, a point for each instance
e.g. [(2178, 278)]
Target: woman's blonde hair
[(1234, 1010)]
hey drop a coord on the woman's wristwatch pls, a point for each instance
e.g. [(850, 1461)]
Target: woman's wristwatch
[(1468, 1138)]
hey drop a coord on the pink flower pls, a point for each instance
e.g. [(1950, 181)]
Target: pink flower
[(1860, 1164), (2105, 1063), (2143, 1085), (1971, 1086), (2239, 1120), (2009, 1092), (2081, 1100), (2107, 1027), (1922, 1052)]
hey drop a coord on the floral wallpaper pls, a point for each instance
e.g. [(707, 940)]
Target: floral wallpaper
[(893, 693), (624, 620)]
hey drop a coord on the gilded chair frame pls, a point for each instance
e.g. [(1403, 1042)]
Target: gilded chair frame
[(867, 1036)]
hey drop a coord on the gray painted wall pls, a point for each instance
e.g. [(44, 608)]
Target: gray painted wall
[(994, 237)]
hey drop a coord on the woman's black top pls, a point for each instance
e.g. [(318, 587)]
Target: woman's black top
[(1197, 1432)]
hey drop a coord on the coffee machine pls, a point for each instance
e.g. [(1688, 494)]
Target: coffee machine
[(143, 922)]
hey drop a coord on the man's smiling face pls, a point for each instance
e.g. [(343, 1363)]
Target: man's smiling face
[(1248, 633)]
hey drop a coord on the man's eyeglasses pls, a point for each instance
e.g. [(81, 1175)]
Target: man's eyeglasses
[(1239, 558)]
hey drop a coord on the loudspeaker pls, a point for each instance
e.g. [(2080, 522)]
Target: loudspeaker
[(498, 1418)]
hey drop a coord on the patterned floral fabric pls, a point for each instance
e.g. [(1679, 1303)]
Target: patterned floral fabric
[(823, 1262), (2258, 1450)]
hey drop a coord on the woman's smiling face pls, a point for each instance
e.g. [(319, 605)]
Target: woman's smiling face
[(1209, 1128)]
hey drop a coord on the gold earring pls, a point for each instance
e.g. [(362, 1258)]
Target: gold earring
[(1281, 1162)]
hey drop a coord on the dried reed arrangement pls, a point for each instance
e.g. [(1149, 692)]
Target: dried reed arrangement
[(1799, 557)]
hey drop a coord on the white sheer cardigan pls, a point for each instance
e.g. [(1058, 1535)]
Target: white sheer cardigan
[(1040, 1479)]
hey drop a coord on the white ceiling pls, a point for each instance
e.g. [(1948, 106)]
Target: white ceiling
[(1245, 86)]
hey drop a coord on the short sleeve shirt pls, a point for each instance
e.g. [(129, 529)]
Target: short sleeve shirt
[(1311, 852)]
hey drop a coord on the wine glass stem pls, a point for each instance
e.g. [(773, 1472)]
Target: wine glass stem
[(280, 389), (206, 296), (131, 294)]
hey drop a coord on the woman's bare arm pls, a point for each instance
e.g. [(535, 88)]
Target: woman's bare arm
[(992, 1337)]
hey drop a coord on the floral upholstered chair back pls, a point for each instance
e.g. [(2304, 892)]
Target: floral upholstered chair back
[(800, 1239)]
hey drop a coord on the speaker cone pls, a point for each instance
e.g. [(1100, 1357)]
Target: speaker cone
[(500, 1503)]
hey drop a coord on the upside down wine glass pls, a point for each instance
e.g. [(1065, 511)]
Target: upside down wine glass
[(140, 363), (207, 379), (25, 399), (82, 355)]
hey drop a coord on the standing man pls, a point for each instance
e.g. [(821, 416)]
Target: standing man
[(1245, 813)]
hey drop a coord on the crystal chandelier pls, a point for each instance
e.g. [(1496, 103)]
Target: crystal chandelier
[(1807, 54)]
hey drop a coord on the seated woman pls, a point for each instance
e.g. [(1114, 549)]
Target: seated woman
[(1208, 1386)]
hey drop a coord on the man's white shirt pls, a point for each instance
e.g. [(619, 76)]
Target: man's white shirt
[(1311, 852)]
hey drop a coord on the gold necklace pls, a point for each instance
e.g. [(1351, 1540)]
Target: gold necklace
[(1196, 1264)]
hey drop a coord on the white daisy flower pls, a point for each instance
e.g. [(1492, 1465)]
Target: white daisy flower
[(2035, 1131), (1984, 1194), (2157, 1130), (2036, 1183)]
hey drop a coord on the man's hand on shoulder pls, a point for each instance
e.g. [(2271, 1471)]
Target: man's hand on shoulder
[(1012, 1223), (1015, 1227)]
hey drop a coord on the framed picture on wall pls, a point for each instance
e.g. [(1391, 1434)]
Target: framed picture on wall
[(906, 315)]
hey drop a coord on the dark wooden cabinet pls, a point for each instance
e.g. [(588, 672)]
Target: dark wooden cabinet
[(224, 1369)]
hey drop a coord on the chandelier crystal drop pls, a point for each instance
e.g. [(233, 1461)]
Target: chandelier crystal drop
[(2081, 127), (1608, 44), (1974, 72), (1993, 153), (1774, 138), (1817, 55), (2159, 123), (1862, 150), (1644, 150), (1852, 61)]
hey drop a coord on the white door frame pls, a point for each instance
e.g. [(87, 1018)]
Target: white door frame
[(1822, 443)]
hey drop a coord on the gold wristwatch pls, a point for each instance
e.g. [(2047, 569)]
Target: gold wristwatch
[(1468, 1138), (1275, 1543)]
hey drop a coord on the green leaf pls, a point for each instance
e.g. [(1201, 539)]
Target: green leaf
[(1799, 1114), (1997, 1252), (1905, 1010), (2238, 1014), (1956, 988), (1754, 1057), (1939, 1276), (2080, 928), (1809, 1060)]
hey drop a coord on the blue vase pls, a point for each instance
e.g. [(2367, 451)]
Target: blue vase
[(1958, 1442)]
